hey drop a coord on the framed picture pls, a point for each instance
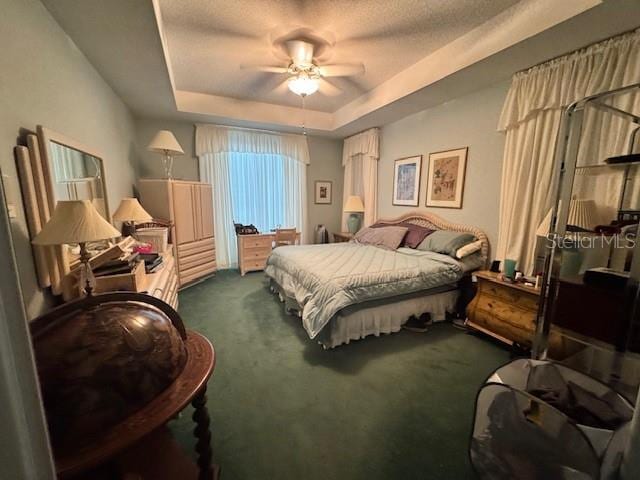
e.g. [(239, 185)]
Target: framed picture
[(445, 181), (323, 192), (406, 181)]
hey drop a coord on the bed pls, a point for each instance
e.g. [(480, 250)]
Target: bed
[(347, 291)]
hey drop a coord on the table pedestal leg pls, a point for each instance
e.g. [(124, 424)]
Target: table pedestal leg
[(203, 434)]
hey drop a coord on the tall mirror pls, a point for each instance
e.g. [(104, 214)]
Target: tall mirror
[(73, 171), (77, 176)]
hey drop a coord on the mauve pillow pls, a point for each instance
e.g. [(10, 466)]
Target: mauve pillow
[(415, 233), (385, 237)]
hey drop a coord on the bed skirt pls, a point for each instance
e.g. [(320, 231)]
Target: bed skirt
[(378, 317)]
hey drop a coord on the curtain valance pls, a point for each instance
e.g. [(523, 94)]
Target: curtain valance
[(365, 143), (556, 84), (212, 139)]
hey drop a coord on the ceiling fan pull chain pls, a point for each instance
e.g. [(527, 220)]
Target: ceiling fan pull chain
[(304, 129)]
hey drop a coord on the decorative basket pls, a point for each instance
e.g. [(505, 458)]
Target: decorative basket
[(158, 237)]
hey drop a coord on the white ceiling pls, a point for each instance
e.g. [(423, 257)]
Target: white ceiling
[(180, 59), (209, 40)]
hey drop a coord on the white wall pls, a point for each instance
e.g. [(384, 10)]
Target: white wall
[(468, 121), (325, 157), (185, 167), (45, 80)]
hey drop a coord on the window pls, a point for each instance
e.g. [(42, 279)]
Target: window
[(257, 190)]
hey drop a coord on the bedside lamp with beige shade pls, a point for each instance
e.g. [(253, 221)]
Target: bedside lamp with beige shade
[(165, 142), (355, 207), (129, 212), (76, 221), (582, 218)]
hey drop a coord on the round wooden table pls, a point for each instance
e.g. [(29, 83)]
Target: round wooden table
[(189, 387)]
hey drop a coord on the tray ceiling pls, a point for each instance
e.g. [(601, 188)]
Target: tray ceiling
[(208, 41)]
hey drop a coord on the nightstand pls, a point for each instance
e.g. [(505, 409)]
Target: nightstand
[(506, 311), (340, 237)]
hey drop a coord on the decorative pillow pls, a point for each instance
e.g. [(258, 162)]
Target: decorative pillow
[(385, 237), (415, 233), (469, 248), (446, 241)]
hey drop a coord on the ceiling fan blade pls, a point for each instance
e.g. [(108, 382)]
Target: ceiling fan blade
[(264, 68), (282, 88), (301, 52), (329, 89), (342, 70)]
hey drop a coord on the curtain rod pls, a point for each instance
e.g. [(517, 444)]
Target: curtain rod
[(584, 47), (249, 129)]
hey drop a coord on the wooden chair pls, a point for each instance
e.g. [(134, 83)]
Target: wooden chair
[(285, 236)]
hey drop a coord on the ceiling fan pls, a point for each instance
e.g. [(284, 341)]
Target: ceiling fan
[(305, 75)]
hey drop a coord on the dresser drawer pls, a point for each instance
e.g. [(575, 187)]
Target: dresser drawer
[(251, 265), (194, 273), (499, 312), (192, 248), (510, 295), (256, 254), (249, 241), (197, 259)]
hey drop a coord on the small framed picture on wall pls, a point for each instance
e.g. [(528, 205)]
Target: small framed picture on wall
[(323, 192), (445, 181), (406, 181)]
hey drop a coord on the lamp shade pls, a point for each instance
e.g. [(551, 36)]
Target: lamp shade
[(165, 142), (582, 213), (545, 225), (75, 221), (130, 210), (354, 204)]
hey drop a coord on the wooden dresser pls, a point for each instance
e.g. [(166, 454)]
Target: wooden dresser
[(253, 251), (189, 207), (508, 312), (164, 283), (504, 310)]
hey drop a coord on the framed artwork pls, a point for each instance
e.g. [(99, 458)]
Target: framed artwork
[(445, 181), (323, 192), (406, 181)]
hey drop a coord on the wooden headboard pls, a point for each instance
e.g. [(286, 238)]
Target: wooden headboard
[(435, 222)]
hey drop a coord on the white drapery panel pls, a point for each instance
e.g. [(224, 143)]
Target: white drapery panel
[(255, 182), (531, 119), (360, 156)]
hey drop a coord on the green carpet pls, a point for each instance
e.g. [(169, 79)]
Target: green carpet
[(394, 407)]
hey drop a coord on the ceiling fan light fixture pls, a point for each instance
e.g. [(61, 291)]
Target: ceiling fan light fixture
[(303, 85)]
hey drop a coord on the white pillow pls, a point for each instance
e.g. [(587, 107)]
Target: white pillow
[(468, 249)]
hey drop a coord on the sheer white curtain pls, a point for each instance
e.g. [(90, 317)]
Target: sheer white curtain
[(531, 119), (360, 156), (258, 177)]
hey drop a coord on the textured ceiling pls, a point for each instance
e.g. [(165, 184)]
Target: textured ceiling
[(209, 40)]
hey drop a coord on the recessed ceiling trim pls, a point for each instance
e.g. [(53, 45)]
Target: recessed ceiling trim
[(251, 111)]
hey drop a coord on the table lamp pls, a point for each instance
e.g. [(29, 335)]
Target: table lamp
[(129, 212), (76, 221), (355, 207), (165, 142)]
